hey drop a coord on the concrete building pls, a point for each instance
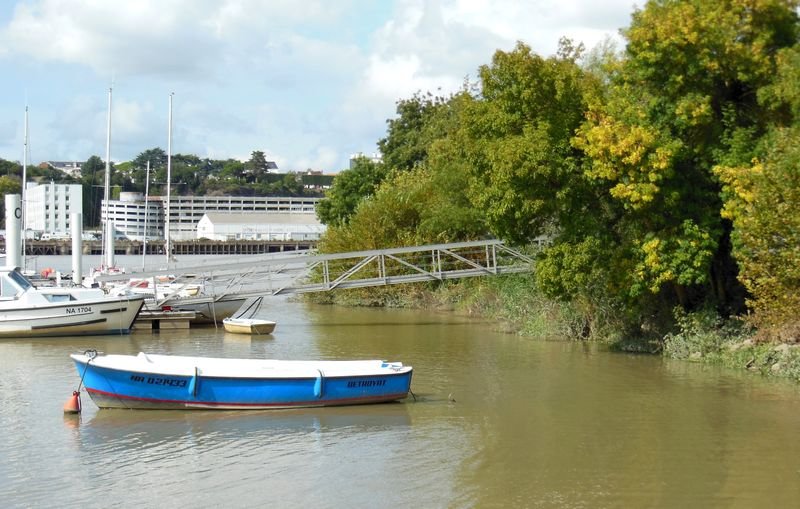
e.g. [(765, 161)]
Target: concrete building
[(130, 214), (185, 212), (48, 207), (259, 226)]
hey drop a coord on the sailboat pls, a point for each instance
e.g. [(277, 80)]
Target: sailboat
[(107, 266), (28, 311), (205, 312), (172, 294)]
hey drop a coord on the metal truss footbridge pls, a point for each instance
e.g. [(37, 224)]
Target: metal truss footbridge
[(303, 272)]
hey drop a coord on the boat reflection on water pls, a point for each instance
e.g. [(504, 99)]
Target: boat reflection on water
[(114, 427), (230, 337)]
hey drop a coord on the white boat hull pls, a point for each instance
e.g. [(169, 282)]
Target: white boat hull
[(248, 326), (208, 312), (69, 318), (150, 381)]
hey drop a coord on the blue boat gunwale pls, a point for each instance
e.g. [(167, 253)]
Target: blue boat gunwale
[(264, 378), (405, 371)]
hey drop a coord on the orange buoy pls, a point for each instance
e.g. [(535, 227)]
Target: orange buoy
[(73, 404)]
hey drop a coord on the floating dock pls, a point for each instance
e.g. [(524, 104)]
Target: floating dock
[(163, 320)]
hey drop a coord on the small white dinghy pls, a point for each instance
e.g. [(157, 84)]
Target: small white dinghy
[(244, 323), (248, 325)]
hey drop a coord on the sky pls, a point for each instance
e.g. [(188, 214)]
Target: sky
[(308, 82)]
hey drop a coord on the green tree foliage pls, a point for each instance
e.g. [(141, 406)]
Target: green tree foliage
[(190, 175), (781, 98), (156, 156), (420, 206), (8, 185), (93, 180), (291, 184), (233, 171), (420, 121), (424, 204), (614, 161), (683, 99), (762, 201), (529, 179), (257, 167), (48, 174), (10, 176), (348, 189), (10, 168), (516, 141), (446, 213), (189, 160)]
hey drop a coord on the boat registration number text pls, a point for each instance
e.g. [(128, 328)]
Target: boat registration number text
[(157, 380), (79, 310), (366, 383)]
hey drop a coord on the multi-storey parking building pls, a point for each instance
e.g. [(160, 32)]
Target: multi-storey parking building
[(185, 212)]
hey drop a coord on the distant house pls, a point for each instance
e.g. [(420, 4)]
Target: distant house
[(71, 168), (256, 226), (269, 167)]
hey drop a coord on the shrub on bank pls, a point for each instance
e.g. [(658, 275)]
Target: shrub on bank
[(514, 303), (704, 336)]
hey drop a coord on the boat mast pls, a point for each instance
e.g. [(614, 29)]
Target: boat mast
[(167, 246), (146, 211), (107, 230), (24, 185)]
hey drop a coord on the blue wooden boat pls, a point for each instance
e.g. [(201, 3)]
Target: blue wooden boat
[(174, 382)]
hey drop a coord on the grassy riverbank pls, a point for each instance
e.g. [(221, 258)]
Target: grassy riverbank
[(517, 307)]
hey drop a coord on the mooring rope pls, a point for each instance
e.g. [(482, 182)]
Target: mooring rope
[(91, 354)]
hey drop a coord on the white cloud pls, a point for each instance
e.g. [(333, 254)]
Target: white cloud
[(308, 83), (111, 37), (436, 44)]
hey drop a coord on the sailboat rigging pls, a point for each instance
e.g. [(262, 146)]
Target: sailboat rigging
[(23, 205), (167, 246), (108, 229), (146, 212)]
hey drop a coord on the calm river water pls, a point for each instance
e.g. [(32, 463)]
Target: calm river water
[(498, 421)]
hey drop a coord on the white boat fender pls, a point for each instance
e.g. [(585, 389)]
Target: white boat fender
[(319, 384)]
